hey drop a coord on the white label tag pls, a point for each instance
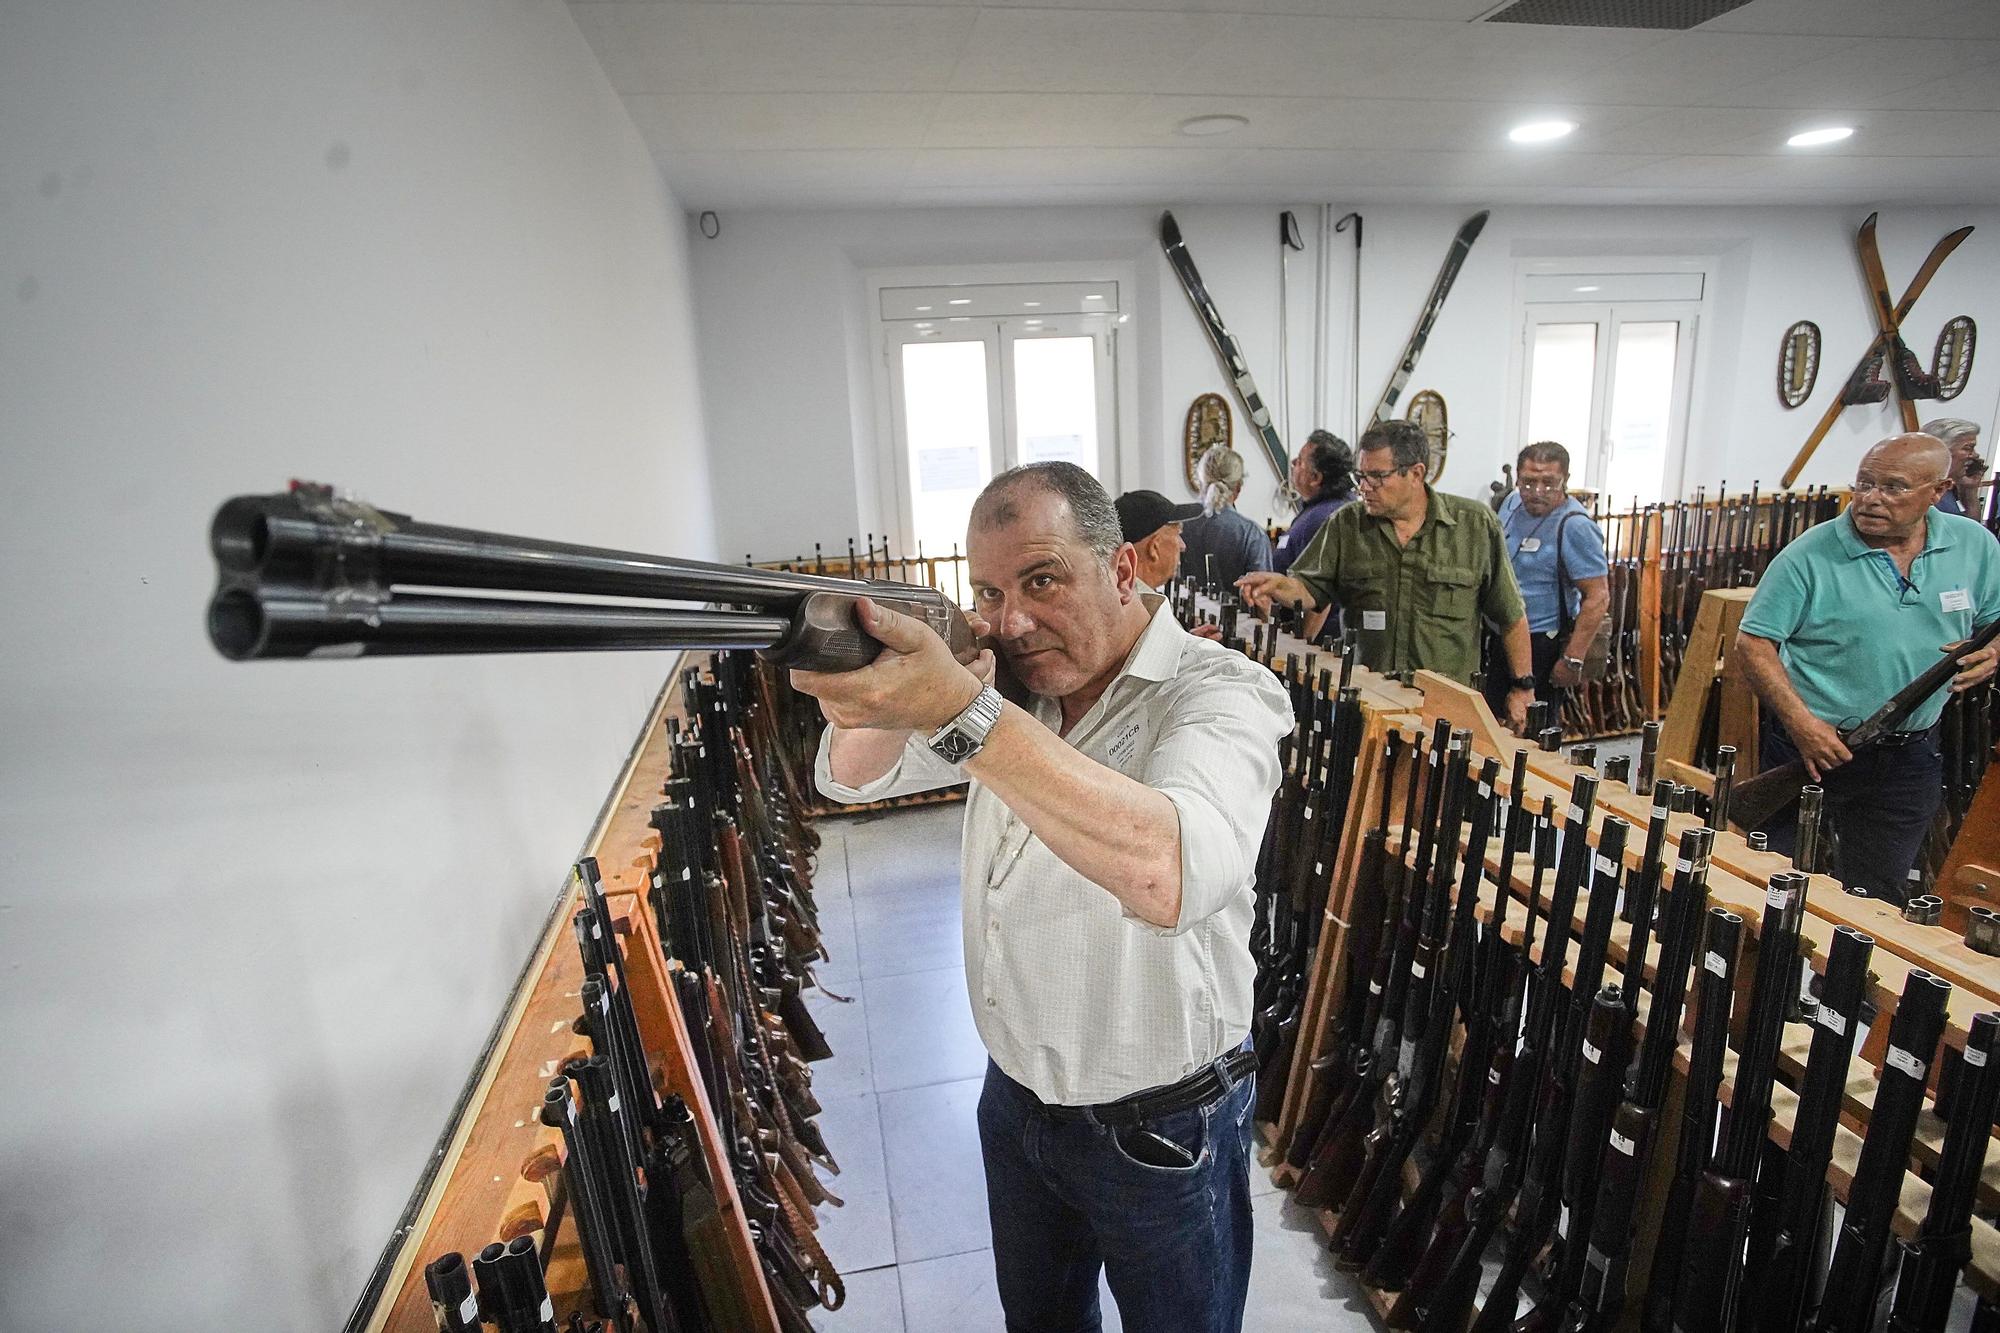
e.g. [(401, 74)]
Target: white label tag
[(1374, 620), (612, 1103), (1374, 988), (468, 1309), (1606, 866), (1955, 599), (1833, 1021), (1591, 1053), (1685, 866), (1716, 964), (1623, 1144), (1575, 813), (1778, 898), (1531, 544), (1661, 811), (1417, 970), (1977, 1059), (1493, 1077), (1903, 1060), (1125, 743), (1485, 792), (548, 1310), (1308, 814)]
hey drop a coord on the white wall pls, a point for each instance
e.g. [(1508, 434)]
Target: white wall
[(779, 303), (256, 920)]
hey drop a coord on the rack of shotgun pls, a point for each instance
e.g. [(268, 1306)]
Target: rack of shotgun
[(1524, 1082), (731, 897), (866, 560), (1967, 730)]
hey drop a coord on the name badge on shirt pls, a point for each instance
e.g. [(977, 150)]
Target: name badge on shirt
[(1531, 543), (1955, 599), (1374, 620), (1123, 745)]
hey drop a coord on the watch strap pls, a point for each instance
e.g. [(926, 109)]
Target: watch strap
[(965, 735)]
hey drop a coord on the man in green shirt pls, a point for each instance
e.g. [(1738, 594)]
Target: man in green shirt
[(1847, 615), (1414, 570)]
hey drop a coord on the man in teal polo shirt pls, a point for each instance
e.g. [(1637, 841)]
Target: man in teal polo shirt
[(1847, 615)]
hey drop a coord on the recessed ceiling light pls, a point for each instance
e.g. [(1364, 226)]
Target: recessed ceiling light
[(1123, 318), (961, 300), (1814, 138), (1588, 289), (1095, 296), (1201, 127), (923, 323), (960, 319), (1541, 131), (922, 309), (1032, 305)]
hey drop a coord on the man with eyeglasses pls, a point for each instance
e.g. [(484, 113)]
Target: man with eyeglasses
[(1416, 571), (1848, 614), (1559, 563), (1962, 438)]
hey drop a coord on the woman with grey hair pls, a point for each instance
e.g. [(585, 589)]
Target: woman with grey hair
[(1222, 545), (1962, 438)]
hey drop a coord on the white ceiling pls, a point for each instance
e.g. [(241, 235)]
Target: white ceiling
[(829, 104)]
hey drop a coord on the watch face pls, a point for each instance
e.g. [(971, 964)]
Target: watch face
[(954, 747)]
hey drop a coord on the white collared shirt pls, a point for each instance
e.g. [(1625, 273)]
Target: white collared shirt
[(1074, 996)]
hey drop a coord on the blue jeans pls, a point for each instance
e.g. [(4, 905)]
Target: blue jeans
[(1067, 1198), (1880, 803)]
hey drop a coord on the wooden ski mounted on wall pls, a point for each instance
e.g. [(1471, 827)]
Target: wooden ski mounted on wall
[(1862, 385), (1227, 349)]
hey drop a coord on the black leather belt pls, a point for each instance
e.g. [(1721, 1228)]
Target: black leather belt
[(1894, 739), (1204, 1085)]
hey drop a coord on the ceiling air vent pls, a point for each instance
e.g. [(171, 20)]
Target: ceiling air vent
[(1673, 14)]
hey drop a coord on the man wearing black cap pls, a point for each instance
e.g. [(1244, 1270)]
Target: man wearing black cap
[(1152, 523)]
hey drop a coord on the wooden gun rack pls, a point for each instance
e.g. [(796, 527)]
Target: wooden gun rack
[(498, 1173), (1737, 879)]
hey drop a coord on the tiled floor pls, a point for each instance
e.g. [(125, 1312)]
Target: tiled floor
[(912, 1240)]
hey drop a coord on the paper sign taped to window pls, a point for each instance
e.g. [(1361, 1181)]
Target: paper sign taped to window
[(948, 469), (1054, 449)]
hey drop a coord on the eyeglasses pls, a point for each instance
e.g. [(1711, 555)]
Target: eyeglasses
[(1895, 490), (1373, 479), (1542, 487)]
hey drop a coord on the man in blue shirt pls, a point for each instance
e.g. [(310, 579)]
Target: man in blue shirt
[(1558, 555), (1962, 438), (1323, 475), (1846, 616)]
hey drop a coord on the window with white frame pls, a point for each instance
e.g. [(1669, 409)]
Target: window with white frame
[(986, 376), (1607, 372)]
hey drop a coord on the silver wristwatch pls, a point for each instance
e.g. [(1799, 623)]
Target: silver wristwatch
[(965, 735)]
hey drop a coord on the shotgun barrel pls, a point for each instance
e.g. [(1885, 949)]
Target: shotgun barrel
[(309, 573)]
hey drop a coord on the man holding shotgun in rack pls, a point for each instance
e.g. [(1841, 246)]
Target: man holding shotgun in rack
[(1848, 615), (1111, 835)]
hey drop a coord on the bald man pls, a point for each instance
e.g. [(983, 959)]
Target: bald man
[(1849, 614)]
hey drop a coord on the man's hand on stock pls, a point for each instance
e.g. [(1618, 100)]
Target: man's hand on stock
[(1207, 631), (914, 685), (1819, 744), (1974, 668), (1517, 710)]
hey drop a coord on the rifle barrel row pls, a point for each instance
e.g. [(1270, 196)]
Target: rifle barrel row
[(1534, 1149)]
